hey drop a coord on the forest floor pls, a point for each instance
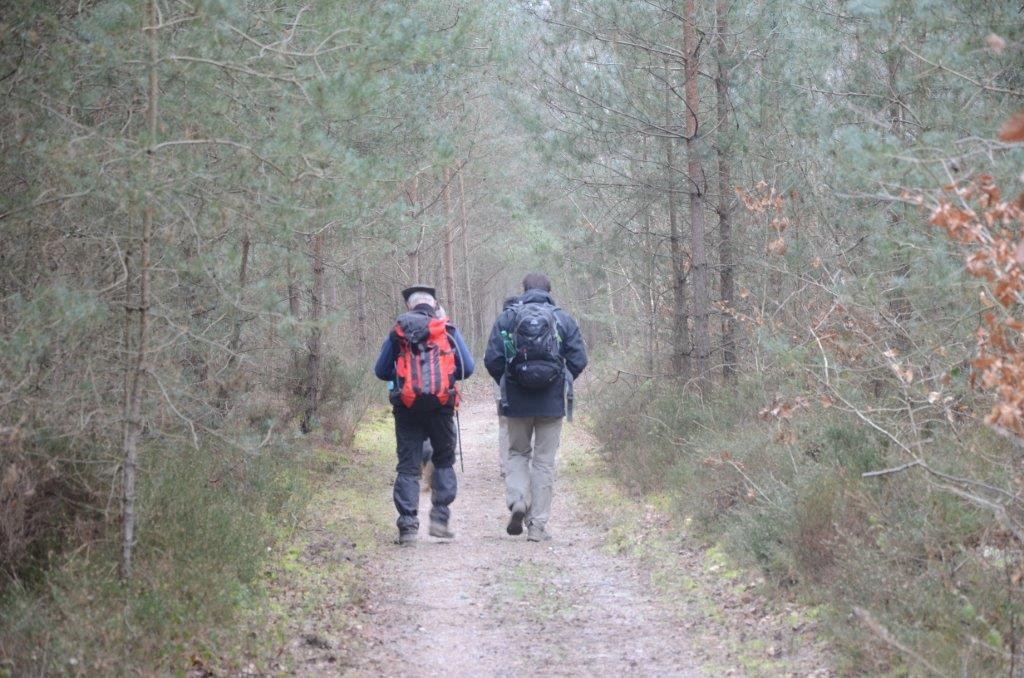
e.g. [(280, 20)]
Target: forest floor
[(618, 590)]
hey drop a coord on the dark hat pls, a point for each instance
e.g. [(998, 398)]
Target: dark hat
[(409, 291)]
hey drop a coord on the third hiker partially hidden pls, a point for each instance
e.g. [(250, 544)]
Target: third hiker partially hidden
[(534, 353)]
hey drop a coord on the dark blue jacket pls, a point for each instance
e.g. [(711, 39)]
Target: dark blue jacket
[(385, 367), (524, 402)]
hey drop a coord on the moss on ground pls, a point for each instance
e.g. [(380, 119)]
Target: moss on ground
[(316, 582)]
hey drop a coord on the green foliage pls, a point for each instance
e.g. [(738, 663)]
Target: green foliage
[(272, 125), (802, 513), (210, 517)]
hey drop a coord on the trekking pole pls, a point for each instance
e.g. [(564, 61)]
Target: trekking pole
[(458, 425)]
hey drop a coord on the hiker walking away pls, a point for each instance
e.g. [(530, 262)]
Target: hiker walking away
[(424, 356), (502, 419), (534, 353)]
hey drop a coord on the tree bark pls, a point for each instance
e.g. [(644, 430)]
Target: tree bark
[(695, 170), (235, 342), (724, 198), (680, 311), (196, 363), (243, 274), (361, 319), (649, 267), (613, 324), (899, 302), (467, 287), (449, 244), (294, 296), (133, 399), (314, 359), (413, 255)]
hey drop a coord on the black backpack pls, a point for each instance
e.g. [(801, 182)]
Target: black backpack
[(537, 361)]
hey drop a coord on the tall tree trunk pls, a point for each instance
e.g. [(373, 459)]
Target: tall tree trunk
[(724, 197), (899, 302), (414, 265), (613, 324), (680, 310), (196, 364), (651, 297), (413, 255), (294, 294), (449, 243), (126, 329), (314, 359), (649, 269), (361, 319), (695, 170), (133, 400), (467, 287), (243, 274), (235, 342)]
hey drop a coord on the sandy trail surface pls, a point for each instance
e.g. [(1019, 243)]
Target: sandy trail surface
[(486, 603)]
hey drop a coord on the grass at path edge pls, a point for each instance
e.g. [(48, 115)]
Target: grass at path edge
[(702, 582)]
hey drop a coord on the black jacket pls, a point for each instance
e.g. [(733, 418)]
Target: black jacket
[(523, 402)]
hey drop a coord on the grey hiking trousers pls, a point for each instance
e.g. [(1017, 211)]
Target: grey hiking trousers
[(532, 445), (502, 433), (503, 444)]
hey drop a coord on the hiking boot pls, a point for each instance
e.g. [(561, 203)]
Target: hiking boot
[(441, 530), (406, 538), (515, 523), (537, 533)]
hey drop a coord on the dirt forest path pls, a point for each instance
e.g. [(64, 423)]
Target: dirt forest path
[(487, 604)]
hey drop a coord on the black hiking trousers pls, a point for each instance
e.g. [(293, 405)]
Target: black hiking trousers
[(411, 429)]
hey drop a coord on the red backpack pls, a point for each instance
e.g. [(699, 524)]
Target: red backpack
[(425, 367)]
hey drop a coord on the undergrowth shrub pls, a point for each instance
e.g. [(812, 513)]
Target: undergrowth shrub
[(207, 517), (787, 496), (346, 391), (48, 499)]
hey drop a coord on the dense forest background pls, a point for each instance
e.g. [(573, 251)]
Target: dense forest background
[(791, 233)]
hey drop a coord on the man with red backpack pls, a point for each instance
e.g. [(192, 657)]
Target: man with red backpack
[(534, 353), (424, 356)]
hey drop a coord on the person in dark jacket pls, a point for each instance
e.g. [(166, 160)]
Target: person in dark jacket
[(414, 424), (534, 412)]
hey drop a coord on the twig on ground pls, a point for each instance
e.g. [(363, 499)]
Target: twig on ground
[(883, 633)]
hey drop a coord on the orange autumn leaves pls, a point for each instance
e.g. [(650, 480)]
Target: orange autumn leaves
[(976, 216), (1013, 128), (764, 200)]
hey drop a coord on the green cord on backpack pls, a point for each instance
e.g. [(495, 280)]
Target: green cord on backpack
[(510, 345)]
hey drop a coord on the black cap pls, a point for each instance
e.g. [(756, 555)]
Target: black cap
[(409, 291)]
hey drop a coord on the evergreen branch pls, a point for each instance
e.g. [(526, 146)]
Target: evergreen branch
[(233, 67), (217, 142), (964, 76), (319, 51), (39, 203)]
